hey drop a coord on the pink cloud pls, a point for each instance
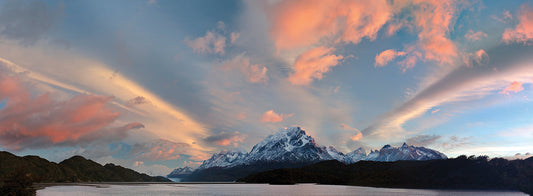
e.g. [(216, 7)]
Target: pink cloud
[(301, 23), (507, 15), (475, 36), (158, 150), (212, 42), (514, 87), (313, 64), (225, 139), (271, 116), (479, 57), (240, 116), (435, 111), (254, 73), (40, 121), (358, 135), (435, 19), (524, 30), (386, 56), (234, 36)]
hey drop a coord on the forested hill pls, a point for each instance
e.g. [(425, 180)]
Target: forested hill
[(459, 173), (74, 169)]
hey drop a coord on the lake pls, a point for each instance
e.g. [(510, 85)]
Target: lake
[(244, 189)]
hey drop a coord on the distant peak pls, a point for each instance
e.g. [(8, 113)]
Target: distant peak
[(386, 146), (405, 145)]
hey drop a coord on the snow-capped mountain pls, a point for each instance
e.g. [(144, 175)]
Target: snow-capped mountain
[(224, 159), (180, 172), (288, 145), (293, 145), (405, 152), (354, 156), (339, 156)]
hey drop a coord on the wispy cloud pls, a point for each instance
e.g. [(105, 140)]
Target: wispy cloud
[(254, 73), (225, 139), (387, 56), (462, 84), (271, 116), (475, 36), (513, 87)]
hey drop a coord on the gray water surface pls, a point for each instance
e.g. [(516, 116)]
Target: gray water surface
[(245, 189)]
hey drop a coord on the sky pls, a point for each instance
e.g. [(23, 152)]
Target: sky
[(154, 85)]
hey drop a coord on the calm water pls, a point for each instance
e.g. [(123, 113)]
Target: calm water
[(245, 189)]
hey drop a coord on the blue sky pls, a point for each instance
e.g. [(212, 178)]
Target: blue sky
[(154, 85)]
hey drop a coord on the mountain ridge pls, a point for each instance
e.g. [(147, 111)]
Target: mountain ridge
[(292, 147), (74, 169)]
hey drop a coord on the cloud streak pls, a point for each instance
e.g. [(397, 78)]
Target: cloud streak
[(40, 122), (509, 64)]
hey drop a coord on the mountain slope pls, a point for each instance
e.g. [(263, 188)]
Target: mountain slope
[(291, 148), (74, 169), (180, 172), (288, 145), (224, 159), (405, 152)]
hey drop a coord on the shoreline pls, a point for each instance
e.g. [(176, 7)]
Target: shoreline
[(40, 186)]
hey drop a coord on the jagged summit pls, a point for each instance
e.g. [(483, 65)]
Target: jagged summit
[(178, 172), (405, 152), (224, 158), (288, 145)]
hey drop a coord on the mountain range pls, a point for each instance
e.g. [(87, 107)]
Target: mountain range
[(292, 147)]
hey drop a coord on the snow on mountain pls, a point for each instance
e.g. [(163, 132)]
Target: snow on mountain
[(293, 145), (405, 152), (181, 171), (354, 156), (224, 159), (339, 156), (288, 145)]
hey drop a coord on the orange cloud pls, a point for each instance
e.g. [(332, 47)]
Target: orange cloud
[(435, 19), (475, 36), (514, 87), (386, 56), (301, 23), (38, 122), (432, 20), (524, 30), (271, 116), (435, 111), (358, 135), (313, 64)]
